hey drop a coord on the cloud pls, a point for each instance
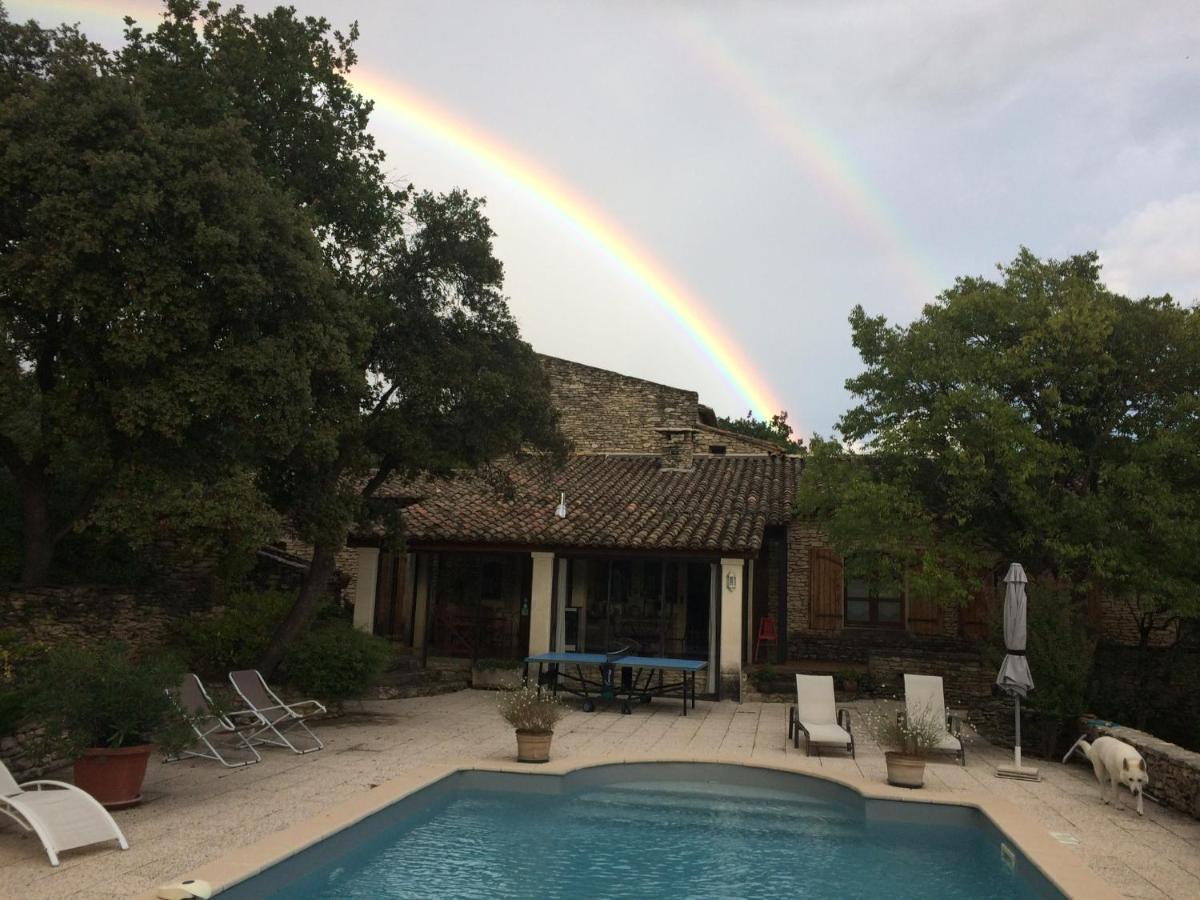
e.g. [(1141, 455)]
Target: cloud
[(1153, 251)]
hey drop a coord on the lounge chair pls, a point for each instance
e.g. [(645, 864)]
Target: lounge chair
[(276, 719), (817, 716), (60, 814), (924, 692), (193, 699)]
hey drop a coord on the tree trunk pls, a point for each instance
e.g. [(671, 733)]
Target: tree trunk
[(39, 538), (316, 581)]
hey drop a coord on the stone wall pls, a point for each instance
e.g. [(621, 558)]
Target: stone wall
[(603, 411), (1116, 619), (1174, 771), (802, 537), (88, 614), (735, 444)]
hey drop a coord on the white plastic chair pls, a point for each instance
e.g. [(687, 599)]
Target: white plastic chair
[(816, 714), (275, 717), (924, 693), (60, 814)]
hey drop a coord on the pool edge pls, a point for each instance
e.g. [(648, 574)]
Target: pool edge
[(1059, 866)]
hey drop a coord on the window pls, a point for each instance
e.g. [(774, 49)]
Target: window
[(874, 604), (716, 449)]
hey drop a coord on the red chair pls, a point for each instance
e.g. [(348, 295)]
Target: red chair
[(767, 634)]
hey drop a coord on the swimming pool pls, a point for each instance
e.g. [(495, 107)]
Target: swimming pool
[(654, 829)]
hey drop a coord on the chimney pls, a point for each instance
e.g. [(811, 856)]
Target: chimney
[(678, 446)]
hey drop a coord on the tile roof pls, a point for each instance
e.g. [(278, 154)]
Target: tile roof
[(614, 502)]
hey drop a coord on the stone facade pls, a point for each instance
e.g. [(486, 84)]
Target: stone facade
[(1174, 771), (730, 443), (87, 615), (606, 412), (1117, 620)]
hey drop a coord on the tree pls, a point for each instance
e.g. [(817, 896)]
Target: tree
[(776, 430), (1039, 417), (165, 304), (443, 378)]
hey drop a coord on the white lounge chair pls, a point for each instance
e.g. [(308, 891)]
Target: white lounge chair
[(924, 692), (274, 716), (816, 714), (60, 814), (193, 699)]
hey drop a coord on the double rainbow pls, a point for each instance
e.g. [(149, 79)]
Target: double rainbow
[(569, 205)]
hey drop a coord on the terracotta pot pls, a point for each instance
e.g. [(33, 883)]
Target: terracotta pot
[(533, 746), (113, 775), (904, 770)]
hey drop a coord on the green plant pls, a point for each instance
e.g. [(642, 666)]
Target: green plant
[(911, 734), (528, 709), (483, 665), (336, 662), (763, 676), (234, 637), (104, 697), (18, 660)]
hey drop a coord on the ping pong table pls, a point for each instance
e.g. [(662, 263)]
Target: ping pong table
[(565, 672)]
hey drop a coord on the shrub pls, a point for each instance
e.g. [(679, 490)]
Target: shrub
[(914, 735), (18, 661), (102, 697), (234, 637), (528, 709), (336, 662)]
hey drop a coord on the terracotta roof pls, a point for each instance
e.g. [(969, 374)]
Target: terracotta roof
[(722, 504)]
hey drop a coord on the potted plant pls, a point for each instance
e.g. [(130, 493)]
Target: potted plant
[(911, 737), (107, 710), (533, 714), (849, 680)]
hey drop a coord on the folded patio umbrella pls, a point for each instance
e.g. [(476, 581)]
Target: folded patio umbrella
[(1014, 676)]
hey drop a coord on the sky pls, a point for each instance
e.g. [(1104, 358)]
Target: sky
[(699, 193)]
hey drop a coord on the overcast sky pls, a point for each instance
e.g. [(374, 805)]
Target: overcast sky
[(785, 161)]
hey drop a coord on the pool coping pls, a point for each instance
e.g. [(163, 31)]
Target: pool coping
[(1066, 872)]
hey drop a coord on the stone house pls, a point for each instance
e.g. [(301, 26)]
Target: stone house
[(662, 532)]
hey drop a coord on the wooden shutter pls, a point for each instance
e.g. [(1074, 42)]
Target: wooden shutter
[(924, 616), (824, 589), (973, 619)]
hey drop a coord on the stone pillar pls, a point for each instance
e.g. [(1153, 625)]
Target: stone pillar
[(541, 602), (730, 589), (364, 588)]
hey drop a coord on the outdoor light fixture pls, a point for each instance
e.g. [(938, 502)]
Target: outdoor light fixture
[(731, 582), (561, 510)]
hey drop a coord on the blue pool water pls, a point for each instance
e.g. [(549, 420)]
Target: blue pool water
[(662, 837)]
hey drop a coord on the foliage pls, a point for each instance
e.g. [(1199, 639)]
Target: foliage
[(1060, 654), (330, 659), (105, 697), (234, 637), (19, 658), (914, 735), (336, 662), (1039, 418), (142, 386), (776, 430), (530, 709)]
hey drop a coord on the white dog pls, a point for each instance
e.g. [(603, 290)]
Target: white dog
[(1115, 764)]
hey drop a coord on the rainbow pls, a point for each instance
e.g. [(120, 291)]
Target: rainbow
[(817, 153), (567, 204)]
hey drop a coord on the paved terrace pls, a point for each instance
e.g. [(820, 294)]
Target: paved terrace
[(196, 811)]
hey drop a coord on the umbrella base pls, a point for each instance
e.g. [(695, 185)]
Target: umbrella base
[(1022, 773)]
